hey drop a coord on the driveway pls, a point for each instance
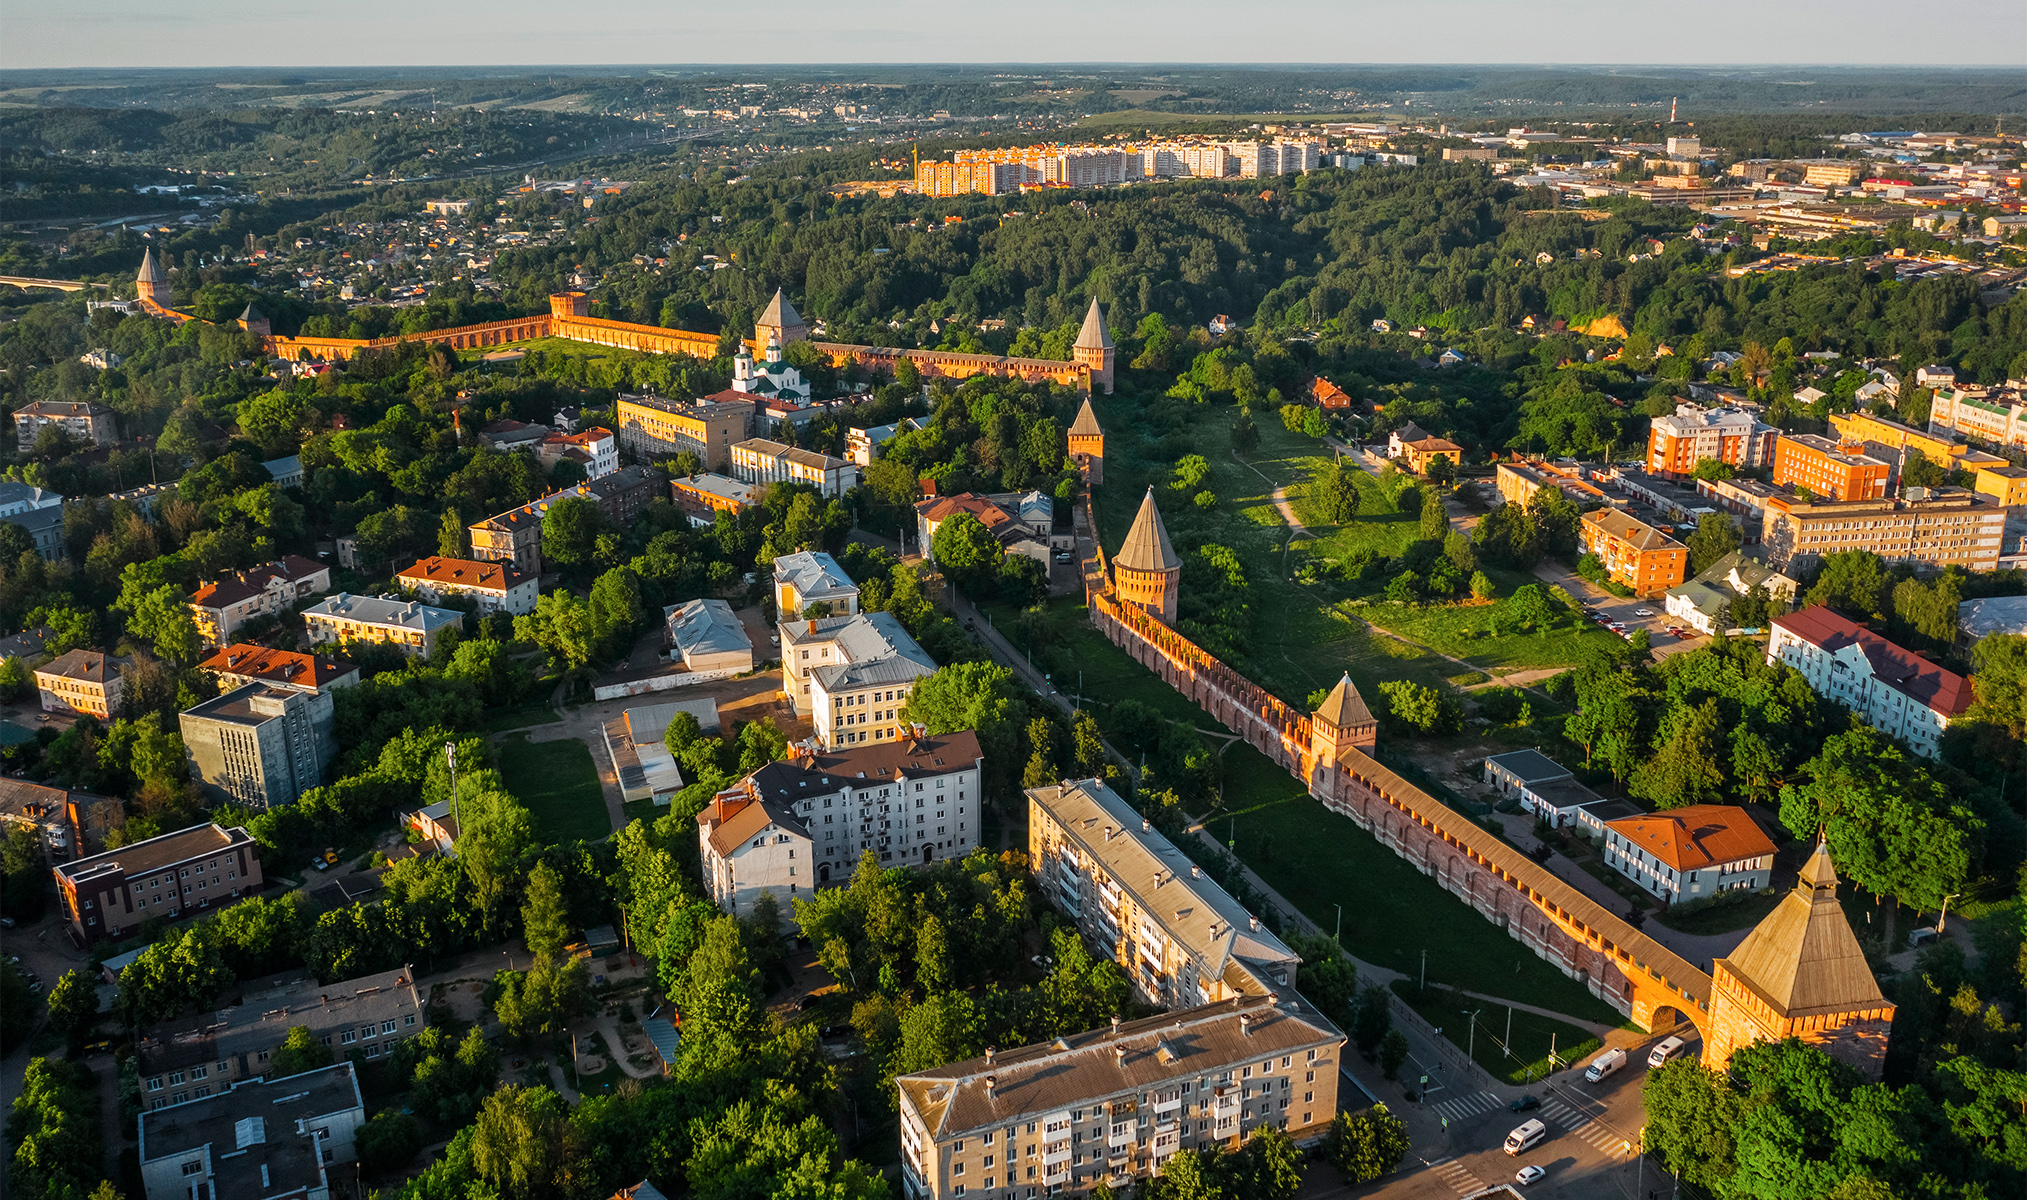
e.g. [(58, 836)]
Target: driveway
[(1661, 643)]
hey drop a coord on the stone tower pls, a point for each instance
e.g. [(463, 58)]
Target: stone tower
[(1094, 348), (1800, 974), (1087, 445), (1343, 720), (563, 305), (255, 321), (780, 323), (1146, 570), (151, 286)]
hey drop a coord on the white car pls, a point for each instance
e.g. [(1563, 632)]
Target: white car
[(1527, 1175), (1643, 612)]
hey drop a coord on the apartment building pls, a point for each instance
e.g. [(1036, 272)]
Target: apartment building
[(595, 449), (215, 1050), (1937, 527), (1140, 901), (851, 675), (17, 498), (105, 896), (258, 745), (242, 663), (290, 1139), (653, 427), (812, 577), (88, 423), (495, 586), (411, 625), (1635, 554), (804, 822), (1729, 435), (703, 496), (764, 461), (515, 536), (84, 682), (2006, 485), (1691, 853), (1887, 440), (1996, 416), (1519, 481), (1113, 1105), (1831, 468), (222, 606), (1897, 692)]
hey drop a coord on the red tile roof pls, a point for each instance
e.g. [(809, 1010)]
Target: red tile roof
[(245, 584), (277, 666), (1696, 837), (1915, 677), (943, 508), (464, 572)]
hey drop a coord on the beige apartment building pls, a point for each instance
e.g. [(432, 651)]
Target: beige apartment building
[(1926, 527), (763, 461), (411, 625), (1182, 939), (1112, 1105), (654, 427), (85, 682)]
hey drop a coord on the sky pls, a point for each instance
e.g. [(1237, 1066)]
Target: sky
[(323, 33)]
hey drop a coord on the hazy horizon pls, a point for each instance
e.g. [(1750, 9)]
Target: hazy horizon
[(370, 34)]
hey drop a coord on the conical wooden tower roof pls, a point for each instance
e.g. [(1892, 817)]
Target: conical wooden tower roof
[(151, 270), (1086, 424), (780, 313), (1094, 335), (1147, 547), (1803, 958), (1344, 707)]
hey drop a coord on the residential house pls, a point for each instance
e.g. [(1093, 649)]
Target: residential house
[(866, 446), (88, 423), (1013, 521), (221, 606), (436, 825), (85, 682), (1139, 900), (1416, 448), (1691, 853), (62, 820), (284, 1139), (851, 675), (106, 896), (762, 461), (707, 638), (703, 496), (1635, 555), (1899, 693), (1113, 1105), (410, 625), (1697, 603), (804, 822), (495, 586)]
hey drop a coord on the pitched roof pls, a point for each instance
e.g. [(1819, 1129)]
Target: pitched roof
[(464, 572), (1803, 959), (827, 771), (1916, 678), (1146, 547), (252, 314), (151, 270), (91, 666), (732, 816), (1639, 534), (1086, 424), (780, 312), (1344, 707), (278, 666), (1094, 335), (1697, 836)]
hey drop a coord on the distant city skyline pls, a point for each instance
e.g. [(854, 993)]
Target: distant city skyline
[(377, 33)]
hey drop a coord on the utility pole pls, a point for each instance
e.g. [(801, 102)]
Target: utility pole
[(1509, 1031), (1425, 970), (1471, 1039), (1338, 937), (450, 754), (1946, 912)]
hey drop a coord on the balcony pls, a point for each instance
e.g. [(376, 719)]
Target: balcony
[(1167, 1105), (1055, 1152)]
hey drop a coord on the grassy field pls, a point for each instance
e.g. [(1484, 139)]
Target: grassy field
[(1533, 1036), (1744, 912), (559, 784), (1392, 912)]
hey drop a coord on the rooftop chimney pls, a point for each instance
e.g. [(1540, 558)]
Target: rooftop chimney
[(989, 1052), (1255, 922), (991, 1083), (1246, 1024), (1195, 872), (1145, 824), (1119, 1055), (1115, 1024)]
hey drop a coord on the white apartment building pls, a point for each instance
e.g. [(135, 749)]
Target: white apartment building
[(273, 1138), (1997, 416), (1182, 939), (762, 460), (411, 625), (496, 586), (850, 675), (804, 822), (1898, 693)]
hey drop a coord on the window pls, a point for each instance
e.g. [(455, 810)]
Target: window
[(348, 1037), (155, 1084), (175, 1077), (408, 1020), (194, 1166)]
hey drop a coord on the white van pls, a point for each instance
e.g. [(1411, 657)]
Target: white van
[(1666, 1049), (1604, 1064), (1526, 1137)]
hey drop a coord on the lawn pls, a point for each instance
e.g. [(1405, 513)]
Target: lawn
[(1392, 912), (1533, 1036), (559, 784)]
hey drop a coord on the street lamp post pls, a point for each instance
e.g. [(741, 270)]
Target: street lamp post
[(450, 755), (1945, 915), (1338, 937), (1471, 1039)]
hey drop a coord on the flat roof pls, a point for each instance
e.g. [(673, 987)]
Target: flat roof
[(161, 851), (255, 1139), (1529, 766)]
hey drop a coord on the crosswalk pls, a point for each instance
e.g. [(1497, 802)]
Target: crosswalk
[(1573, 1120), (1457, 1176), (1467, 1105)]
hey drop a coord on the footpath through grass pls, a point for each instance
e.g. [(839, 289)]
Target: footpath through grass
[(1520, 1061), (559, 784)]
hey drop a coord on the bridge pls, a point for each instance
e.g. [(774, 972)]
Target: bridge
[(1590, 944), (25, 282)]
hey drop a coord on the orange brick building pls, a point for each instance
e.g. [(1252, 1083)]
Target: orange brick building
[(1635, 554), (1676, 444), (1834, 470)]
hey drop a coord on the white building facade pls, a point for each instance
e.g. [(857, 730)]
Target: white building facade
[(1898, 693)]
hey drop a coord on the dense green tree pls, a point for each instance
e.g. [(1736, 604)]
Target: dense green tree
[(520, 1143), (1716, 536), (300, 1051), (74, 1007), (1363, 1146), (1893, 828), (545, 918)]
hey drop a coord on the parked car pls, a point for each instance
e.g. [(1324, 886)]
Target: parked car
[(1643, 612), (1604, 1064), (1664, 1050)]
